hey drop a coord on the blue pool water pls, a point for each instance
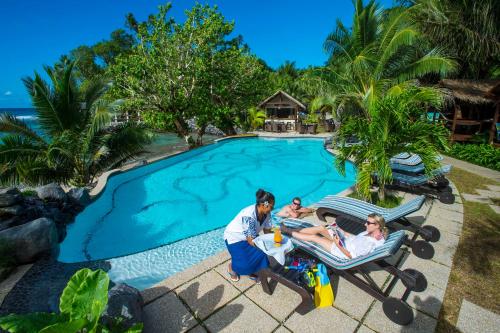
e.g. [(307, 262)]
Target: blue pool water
[(195, 193)]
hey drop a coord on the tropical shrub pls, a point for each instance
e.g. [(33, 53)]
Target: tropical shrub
[(77, 142), (82, 303), (255, 118), (483, 154), (393, 125)]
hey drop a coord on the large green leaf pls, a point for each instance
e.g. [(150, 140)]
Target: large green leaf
[(28, 323), (85, 295), (72, 326)]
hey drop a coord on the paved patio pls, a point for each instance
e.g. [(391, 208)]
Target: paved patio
[(202, 298)]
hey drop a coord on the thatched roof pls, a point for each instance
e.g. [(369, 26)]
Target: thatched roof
[(494, 93), (281, 98), (470, 91)]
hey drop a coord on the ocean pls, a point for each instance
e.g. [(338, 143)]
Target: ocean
[(27, 115)]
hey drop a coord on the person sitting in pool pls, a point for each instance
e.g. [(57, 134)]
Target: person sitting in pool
[(295, 209), (246, 258), (354, 245)]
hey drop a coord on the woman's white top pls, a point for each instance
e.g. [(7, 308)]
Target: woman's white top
[(245, 224), (358, 245)]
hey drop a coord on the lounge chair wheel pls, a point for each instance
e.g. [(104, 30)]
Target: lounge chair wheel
[(446, 198), (433, 234), (420, 280), (422, 249), (397, 311)]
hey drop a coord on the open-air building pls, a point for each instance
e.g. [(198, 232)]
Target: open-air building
[(282, 112), (472, 108)]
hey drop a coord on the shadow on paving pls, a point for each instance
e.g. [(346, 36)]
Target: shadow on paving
[(40, 288)]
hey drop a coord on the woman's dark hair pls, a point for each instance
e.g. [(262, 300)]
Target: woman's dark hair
[(263, 197)]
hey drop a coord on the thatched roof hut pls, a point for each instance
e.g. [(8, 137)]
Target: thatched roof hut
[(469, 91), (474, 106)]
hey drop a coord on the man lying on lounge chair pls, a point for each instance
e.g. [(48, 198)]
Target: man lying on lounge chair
[(352, 245), (295, 209)]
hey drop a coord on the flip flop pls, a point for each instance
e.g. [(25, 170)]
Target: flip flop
[(233, 276), (254, 278)]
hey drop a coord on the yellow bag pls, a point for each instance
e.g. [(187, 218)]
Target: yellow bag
[(323, 293)]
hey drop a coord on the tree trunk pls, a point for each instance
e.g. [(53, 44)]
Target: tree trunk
[(183, 131), (381, 192), (200, 132)]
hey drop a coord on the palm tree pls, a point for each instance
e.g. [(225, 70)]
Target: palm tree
[(469, 30), (77, 142), (382, 54), (255, 118), (395, 124)]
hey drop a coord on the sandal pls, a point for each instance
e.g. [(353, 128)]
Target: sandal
[(233, 276), (254, 278)]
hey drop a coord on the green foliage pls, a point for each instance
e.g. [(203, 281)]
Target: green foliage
[(482, 154), (92, 61), (312, 118), (394, 124), (390, 201), (467, 30), (29, 193), (78, 142), (383, 54), (255, 118), (81, 305), (189, 70)]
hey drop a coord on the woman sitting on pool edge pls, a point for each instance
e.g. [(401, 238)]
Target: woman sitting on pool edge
[(355, 245), (246, 258)]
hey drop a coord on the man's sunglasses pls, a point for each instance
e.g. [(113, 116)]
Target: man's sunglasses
[(296, 203)]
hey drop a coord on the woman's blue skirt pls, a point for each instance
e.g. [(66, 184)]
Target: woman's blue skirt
[(247, 259)]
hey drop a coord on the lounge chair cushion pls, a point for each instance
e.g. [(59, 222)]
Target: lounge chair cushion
[(362, 209), (390, 246)]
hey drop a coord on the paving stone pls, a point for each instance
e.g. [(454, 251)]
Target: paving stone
[(16, 275), (378, 321), (473, 318), (448, 239), (180, 278), (198, 329), (488, 194), (443, 254), (494, 188), (352, 300), (435, 273), (455, 207), (495, 208), (476, 198), (241, 315), (438, 214), (243, 284), (321, 320), (207, 293), (446, 226), (282, 329), (428, 301), (167, 314), (364, 329), (279, 305)]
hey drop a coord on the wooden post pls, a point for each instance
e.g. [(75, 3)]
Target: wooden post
[(454, 123), (494, 124)]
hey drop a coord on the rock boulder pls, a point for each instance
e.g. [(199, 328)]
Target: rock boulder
[(80, 195), (9, 196), (51, 191), (31, 240), (124, 302)]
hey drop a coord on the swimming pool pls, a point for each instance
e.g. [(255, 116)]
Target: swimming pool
[(197, 192)]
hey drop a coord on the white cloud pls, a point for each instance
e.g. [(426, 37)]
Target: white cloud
[(8, 93)]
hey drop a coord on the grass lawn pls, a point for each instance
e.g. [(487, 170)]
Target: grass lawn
[(475, 274)]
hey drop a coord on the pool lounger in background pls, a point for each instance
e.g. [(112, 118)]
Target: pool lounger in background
[(357, 211), (395, 309)]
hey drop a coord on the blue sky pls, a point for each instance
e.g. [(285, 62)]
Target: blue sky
[(38, 32)]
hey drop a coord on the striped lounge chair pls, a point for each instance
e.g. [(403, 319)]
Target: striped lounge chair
[(357, 211), (435, 186), (411, 163), (396, 309)]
